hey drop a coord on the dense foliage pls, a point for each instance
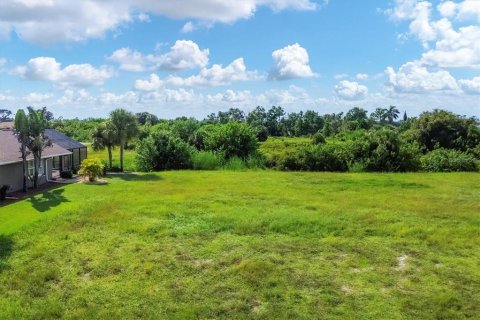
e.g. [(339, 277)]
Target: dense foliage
[(356, 141)]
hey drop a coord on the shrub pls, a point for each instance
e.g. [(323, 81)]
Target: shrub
[(206, 160), (322, 158), (256, 161), (162, 151), (318, 138), (233, 139), (91, 169), (3, 192), (448, 160), (68, 174)]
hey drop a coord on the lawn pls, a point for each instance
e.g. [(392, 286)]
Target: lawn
[(265, 244)]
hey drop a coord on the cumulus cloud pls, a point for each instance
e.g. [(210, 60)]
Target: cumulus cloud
[(452, 48), (470, 86), (350, 90), (35, 97), (414, 78), (291, 62), (47, 21), (151, 84), (184, 54), (74, 75), (216, 75)]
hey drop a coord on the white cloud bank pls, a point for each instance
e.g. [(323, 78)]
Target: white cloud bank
[(48, 21), (183, 55), (74, 75)]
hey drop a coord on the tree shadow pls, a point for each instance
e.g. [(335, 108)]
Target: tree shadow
[(49, 199), (6, 249), (136, 177)]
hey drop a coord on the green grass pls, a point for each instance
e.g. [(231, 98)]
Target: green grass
[(245, 245), (128, 157)]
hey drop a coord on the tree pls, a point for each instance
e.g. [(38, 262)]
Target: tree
[(5, 114), (144, 118), (405, 117), (443, 129), (125, 126), (22, 132), (392, 114), (37, 123), (380, 115), (104, 136), (274, 121), (357, 118)]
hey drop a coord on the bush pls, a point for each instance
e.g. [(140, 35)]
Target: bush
[(256, 161), (233, 139), (448, 160), (318, 138), (3, 192), (163, 151), (206, 160), (68, 174), (91, 169), (322, 158)]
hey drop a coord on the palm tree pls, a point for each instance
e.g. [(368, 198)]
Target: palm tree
[(392, 114), (37, 141), (125, 126), (22, 133), (104, 136)]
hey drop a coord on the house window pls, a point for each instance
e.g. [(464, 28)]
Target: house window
[(31, 169)]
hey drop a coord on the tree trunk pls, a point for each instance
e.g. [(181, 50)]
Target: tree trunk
[(25, 169), (121, 154), (110, 156), (35, 174)]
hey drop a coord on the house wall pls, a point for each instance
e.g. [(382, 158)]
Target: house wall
[(12, 175)]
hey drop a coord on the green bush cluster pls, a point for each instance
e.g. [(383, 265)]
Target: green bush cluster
[(446, 160)]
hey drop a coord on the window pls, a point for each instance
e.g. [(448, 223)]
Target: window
[(31, 169)]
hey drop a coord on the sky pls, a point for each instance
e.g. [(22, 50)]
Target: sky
[(84, 58)]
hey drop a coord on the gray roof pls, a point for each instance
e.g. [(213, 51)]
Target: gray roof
[(63, 140), (10, 149)]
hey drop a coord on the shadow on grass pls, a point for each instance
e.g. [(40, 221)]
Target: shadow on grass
[(6, 249), (136, 177), (49, 199)]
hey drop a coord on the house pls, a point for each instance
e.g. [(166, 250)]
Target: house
[(64, 154)]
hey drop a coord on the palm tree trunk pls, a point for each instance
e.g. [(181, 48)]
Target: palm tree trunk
[(109, 148), (35, 174), (121, 155), (24, 164)]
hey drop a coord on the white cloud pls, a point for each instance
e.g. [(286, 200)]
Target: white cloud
[(470, 86), (184, 54), (112, 99), (362, 76), (3, 62), (216, 75), (452, 48), (188, 27), (456, 49), (35, 97), (348, 90), (414, 78), (340, 76), (151, 84), (129, 60), (47, 21), (74, 75), (291, 62)]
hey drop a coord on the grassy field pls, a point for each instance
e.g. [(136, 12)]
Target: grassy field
[(239, 245), (128, 160)]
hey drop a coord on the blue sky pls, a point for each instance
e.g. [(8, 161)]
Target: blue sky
[(85, 58)]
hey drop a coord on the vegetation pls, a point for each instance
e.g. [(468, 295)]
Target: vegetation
[(266, 245), (91, 169), (306, 141)]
